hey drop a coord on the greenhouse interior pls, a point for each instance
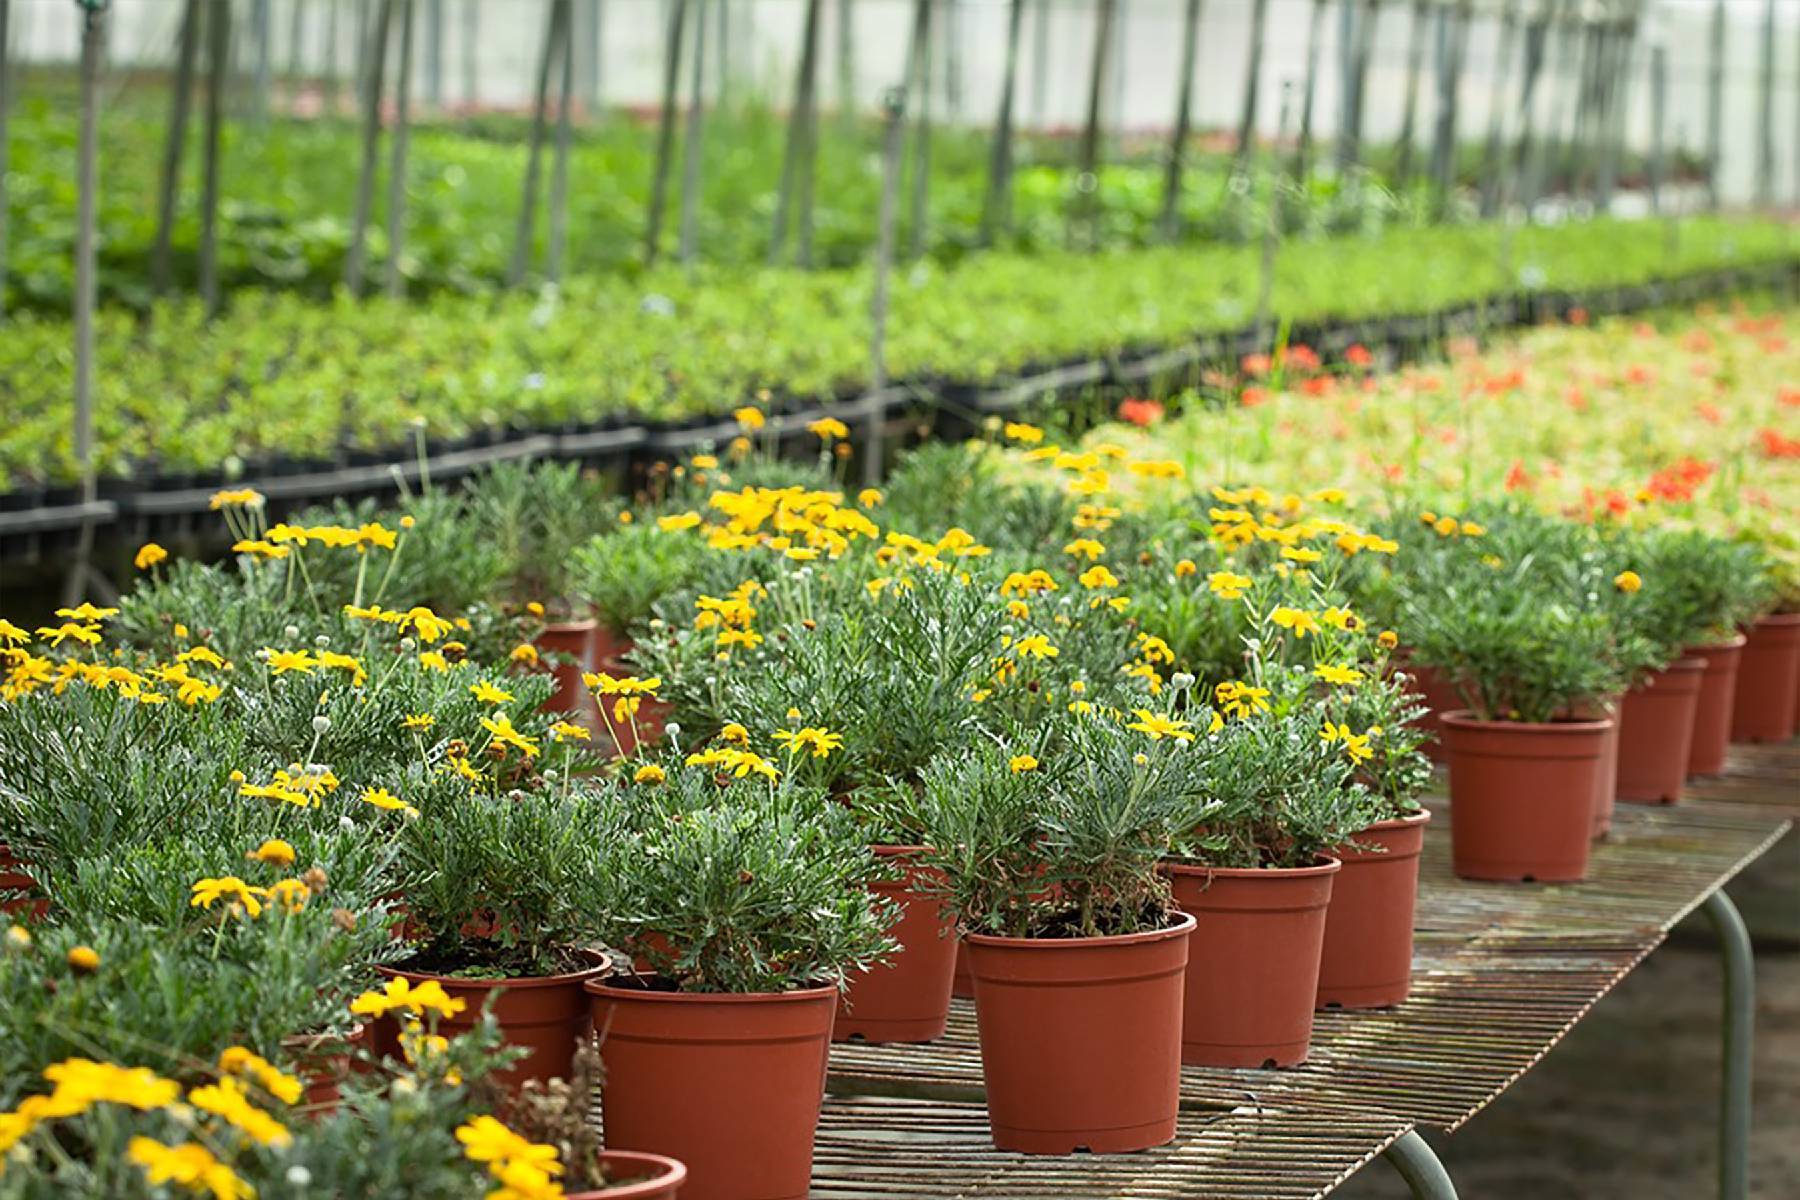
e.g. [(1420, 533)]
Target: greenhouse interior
[(899, 599)]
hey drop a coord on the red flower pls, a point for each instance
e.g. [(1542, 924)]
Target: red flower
[(1517, 479), (1709, 413), (1776, 446), (1253, 396), (1300, 357), (1142, 413), (1358, 355), (1318, 385), (1578, 316), (1639, 374), (1257, 364), (1789, 397)]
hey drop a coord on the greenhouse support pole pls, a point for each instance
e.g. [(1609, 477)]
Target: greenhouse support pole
[(87, 185), (525, 230), (1415, 1161), (806, 165), (1084, 219), (996, 214), (5, 136), (1303, 147), (1040, 65), (434, 54), (1184, 118), (1409, 113), (1765, 113), (1271, 231), (263, 66), (471, 46), (396, 196), (796, 131), (950, 31), (218, 63), (1659, 87), (689, 242), (169, 184), (1368, 20), (1453, 41), (1715, 104), (846, 64), (329, 61), (1492, 151), (354, 260), (1739, 1032), (565, 136), (894, 127), (919, 63), (1618, 79), (1513, 174), (296, 44), (1246, 129)]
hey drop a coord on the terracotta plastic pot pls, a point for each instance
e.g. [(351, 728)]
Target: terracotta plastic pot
[(1712, 716), (1768, 676), (1656, 729), (1367, 957), (1606, 779), (908, 999), (323, 1062), (1439, 697), (1081, 1038), (545, 1014), (728, 1084), (1522, 796), (1253, 965), (18, 891), (646, 1176), (962, 984), (576, 639), (652, 715), (610, 649)]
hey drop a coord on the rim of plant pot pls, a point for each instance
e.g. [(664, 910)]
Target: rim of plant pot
[(1184, 924), (1327, 864), (607, 987), (573, 625), (1421, 817), (672, 1173), (1785, 616), (1570, 727), (508, 981), (1701, 649)]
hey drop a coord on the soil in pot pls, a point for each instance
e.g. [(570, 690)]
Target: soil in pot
[(908, 998), (574, 642), (728, 1084), (1656, 730), (1081, 1038), (1768, 678), (1712, 716), (1253, 966), (1366, 961), (545, 1014), (1522, 797), (636, 1176)]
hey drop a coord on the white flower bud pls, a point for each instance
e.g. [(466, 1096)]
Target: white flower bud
[(672, 729), (292, 632), (346, 824), (322, 641), (1181, 681), (408, 645), (321, 723), (298, 1175)]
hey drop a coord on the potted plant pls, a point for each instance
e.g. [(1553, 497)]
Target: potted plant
[(558, 1113), (1766, 705), (622, 573), (503, 894), (745, 904), (1524, 769), (1049, 857)]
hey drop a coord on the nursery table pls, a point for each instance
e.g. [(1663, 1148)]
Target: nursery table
[(1501, 973)]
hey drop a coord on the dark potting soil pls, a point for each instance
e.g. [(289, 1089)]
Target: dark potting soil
[(502, 964)]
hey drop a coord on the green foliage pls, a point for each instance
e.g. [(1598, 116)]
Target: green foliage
[(623, 573), (535, 515), (744, 889), (1697, 588)]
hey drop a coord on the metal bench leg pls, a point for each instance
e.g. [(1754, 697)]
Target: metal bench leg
[(1420, 1166), (1739, 1027)]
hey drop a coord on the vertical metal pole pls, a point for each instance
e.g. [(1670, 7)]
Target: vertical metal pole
[(1659, 82), (559, 165), (471, 43), (690, 165), (1491, 152), (796, 130), (329, 58), (93, 54), (996, 214), (169, 185), (263, 65), (846, 62), (1184, 116), (296, 63), (1715, 104), (1303, 147), (371, 141), (1040, 65), (1350, 143), (1420, 1167), (1084, 223), (5, 137), (1409, 114), (1453, 42), (1271, 234), (1246, 130), (218, 63), (396, 196), (524, 232), (894, 112), (1739, 1016), (806, 166), (1536, 43), (434, 54), (919, 85), (1765, 120)]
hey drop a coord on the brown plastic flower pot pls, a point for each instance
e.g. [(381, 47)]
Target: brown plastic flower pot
[(1656, 729), (1253, 966), (1768, 677), (1712, 716), (1438, 696), (1081, 1038), (643, 1176), (729, 1084), (1606, 779), (962, 984), (1367, 957), (18, 891), (1522, 797), (545, 1014), (576, 639), (908, 998)]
